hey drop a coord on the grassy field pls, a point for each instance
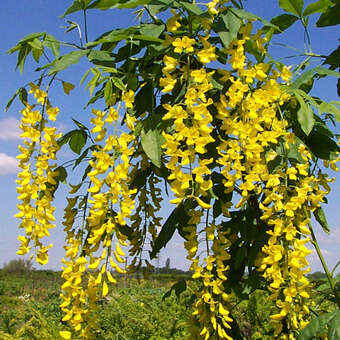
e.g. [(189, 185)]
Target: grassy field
[(134, 309)]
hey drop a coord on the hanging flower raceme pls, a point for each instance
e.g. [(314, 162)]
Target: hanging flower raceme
[(36, 180), (110, 202)]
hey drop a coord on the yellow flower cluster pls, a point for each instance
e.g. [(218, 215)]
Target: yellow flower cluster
[(144, 220), (36, 180), (212, 303), (108, 211), (253, 133), (289, 199), (189, 178)]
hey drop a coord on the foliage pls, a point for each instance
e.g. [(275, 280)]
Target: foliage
[(132, 311), (191, 100)]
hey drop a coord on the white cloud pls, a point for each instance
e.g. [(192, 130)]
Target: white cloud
[(9, 129), (8, 164), (332, 238)]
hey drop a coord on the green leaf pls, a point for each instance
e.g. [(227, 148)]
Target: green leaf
[(151, 30), (317, 7), (87, 170), (84, 76), (330, 17), (151, 141), (139, 180), (98, 95), (78, 5), (292, 6), (325, 107), (22, 55), (66, 137), (322, 128), (104, 4), (167, 231), (156, 6), (114, 35), (108, 93), (333, 59), (178, 219), (110, 4), (192, 8), (283, 22), (36, 44), (94, 81), (131, 33), (147, 38), (37, 53), (240, 256), (78, 141), (322, 146), (232, 24), (80, 125), (131, 48), (305, 115), (241, 13), (315, 326), (83, 155), (11, 100), (118, 83), (96, 56), (66, 60), (320, 216), (53, 44), (334, 327), (145, 99), (26, 40), (133, 3), (62, 174), (293, 153), (23, 95), (179, 287), (308, 75)]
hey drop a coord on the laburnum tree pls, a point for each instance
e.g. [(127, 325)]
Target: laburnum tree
[(191, 100)]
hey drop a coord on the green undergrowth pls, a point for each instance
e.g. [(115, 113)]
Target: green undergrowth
[(134, 309)]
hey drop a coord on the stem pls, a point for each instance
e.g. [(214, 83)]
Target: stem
[(336, 266), (85, 26), (154, 18), (324, 265), (206, 234)]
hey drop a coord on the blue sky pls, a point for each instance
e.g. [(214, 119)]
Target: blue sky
[(16, 21)]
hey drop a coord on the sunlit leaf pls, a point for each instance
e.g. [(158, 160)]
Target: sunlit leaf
[(292, 6), (320, 216), (305, 115), (151, 142), (66, 60), (317, 7)]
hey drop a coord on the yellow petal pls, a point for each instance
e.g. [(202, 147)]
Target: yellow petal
[(110, 277), (203, 204), (105, 288), (119, 250), (65, 334), (118, 258)]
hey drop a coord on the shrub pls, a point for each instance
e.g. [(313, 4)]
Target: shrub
[(18, 266)]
